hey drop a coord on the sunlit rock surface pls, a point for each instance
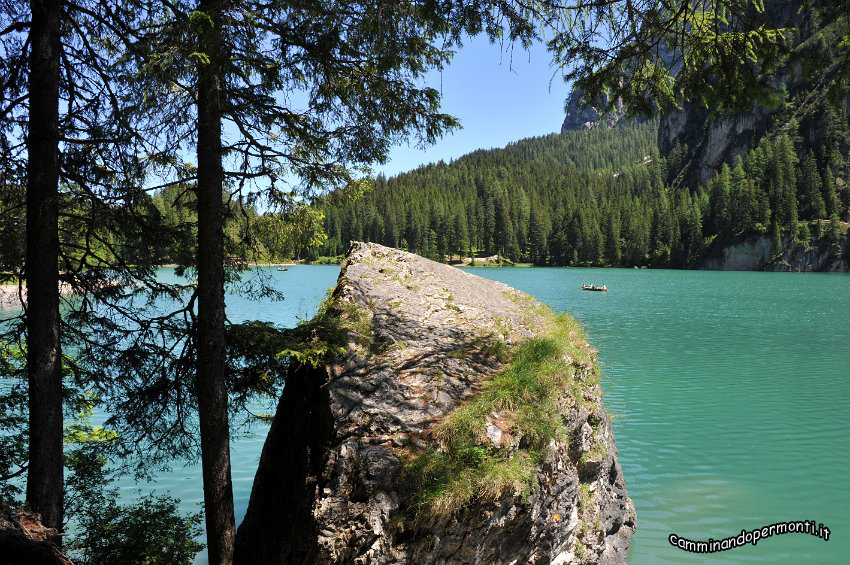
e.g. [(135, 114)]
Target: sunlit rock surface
[(330, 486)]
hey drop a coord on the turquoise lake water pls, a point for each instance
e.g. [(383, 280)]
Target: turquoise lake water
[(730, 394), (731, 398)]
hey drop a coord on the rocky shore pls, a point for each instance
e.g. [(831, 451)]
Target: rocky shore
[(9, 297)]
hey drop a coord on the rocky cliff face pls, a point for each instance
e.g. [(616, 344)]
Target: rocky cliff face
[(337, 481), (802, 77), (710, 142), (585, 114), (804, 82), (757, 254)]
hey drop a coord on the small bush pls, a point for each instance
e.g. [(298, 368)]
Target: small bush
[(149, 532)]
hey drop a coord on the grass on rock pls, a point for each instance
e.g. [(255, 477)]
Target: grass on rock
[(464, 464)]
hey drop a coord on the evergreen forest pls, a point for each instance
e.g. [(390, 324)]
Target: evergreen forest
[(605, 196)]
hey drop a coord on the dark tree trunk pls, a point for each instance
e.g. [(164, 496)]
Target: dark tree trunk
[(279, 528), (45, 489), (211, 385)]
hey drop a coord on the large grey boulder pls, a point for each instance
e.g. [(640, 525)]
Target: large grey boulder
[(333, 484)]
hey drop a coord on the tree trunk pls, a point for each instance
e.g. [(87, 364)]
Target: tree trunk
[(211, 385), (45, 488), (279, 527)]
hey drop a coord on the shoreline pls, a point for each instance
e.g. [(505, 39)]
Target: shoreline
[(250, 265), (9, 297)]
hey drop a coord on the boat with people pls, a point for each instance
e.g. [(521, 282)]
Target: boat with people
[(283, 269), (595, 287)]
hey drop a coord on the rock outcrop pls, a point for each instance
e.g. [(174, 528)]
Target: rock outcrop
[(711, 142), (24, 541), (752, 254), (800, 81), (423, 342), (584, 114), (821, 256), (805, 79), (756, 253), (12, 296)]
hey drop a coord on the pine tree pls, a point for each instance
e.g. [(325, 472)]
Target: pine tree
[(558, 242), (776, 238), (414, 230), (811, 193), (390, 232), (804, 234), (676, 160), (786, 187), (45, 491), (505, 235), (830, 196), (613, 252), (537, 238), (430, 248), (844, 193), (720, 201), (474, 229), (489, 236), (443, 239), (213, 402), (763, 213), (692, 234), (834, 232), (461, 243), (741, 199)]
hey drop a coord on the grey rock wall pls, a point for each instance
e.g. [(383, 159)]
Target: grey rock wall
[(757, 254), (584, 114)]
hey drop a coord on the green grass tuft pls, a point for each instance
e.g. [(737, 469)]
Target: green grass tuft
[(597, 452), (463, 464), (447, 480), (584, 495)]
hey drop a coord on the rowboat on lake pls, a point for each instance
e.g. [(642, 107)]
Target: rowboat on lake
[(599, 288)]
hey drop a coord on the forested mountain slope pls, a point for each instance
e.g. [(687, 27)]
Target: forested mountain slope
[(675, 192), (541, 198), (599, 197)]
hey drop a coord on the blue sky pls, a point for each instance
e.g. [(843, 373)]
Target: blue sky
[(496, 98)]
